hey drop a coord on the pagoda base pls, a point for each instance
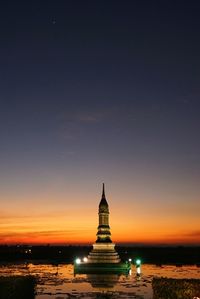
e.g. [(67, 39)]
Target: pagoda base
[(103, 253)]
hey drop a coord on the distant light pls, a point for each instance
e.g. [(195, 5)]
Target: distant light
[(85, 259), (130, 260), (138, 262), (78, 261)]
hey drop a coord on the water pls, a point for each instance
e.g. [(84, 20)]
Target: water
[(59, 281)]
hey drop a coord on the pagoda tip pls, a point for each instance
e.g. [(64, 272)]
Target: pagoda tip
[(103, 191)]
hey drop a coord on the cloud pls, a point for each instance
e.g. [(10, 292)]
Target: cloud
[(40, 236), (75, 125), (195, 233), (187, 237), (89, 118), (38, 233)]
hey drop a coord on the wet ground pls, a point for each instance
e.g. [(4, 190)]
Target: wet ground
[(59, 281)]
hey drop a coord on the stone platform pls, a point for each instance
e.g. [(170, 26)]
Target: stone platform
[(108, 268)]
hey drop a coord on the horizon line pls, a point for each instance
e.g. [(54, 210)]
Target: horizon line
[(119, 244)]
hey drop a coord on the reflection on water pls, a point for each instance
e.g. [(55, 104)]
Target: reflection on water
[(59, 281), (103, 282)]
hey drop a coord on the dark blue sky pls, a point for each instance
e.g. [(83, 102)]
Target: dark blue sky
[(100, 90)]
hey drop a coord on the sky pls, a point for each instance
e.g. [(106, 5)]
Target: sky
[(93, 92)]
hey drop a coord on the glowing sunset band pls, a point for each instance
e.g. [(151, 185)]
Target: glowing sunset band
[(44, 230)]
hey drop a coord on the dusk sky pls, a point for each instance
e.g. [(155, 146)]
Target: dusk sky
[(93, 92)]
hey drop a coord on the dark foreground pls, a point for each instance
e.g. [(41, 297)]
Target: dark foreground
[(17, 287), (23, 287), (148, 255), (56, 281), (169, 288)]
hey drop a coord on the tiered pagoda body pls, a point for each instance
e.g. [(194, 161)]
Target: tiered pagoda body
[(103, 249)]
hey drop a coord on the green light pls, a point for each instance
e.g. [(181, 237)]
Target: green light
[(138, 262)]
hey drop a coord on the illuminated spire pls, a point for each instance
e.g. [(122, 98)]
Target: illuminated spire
[(103, 249), (103, 234)]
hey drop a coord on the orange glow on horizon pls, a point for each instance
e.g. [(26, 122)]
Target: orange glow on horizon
[(75, 233), (41, 240), (41, 222)]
